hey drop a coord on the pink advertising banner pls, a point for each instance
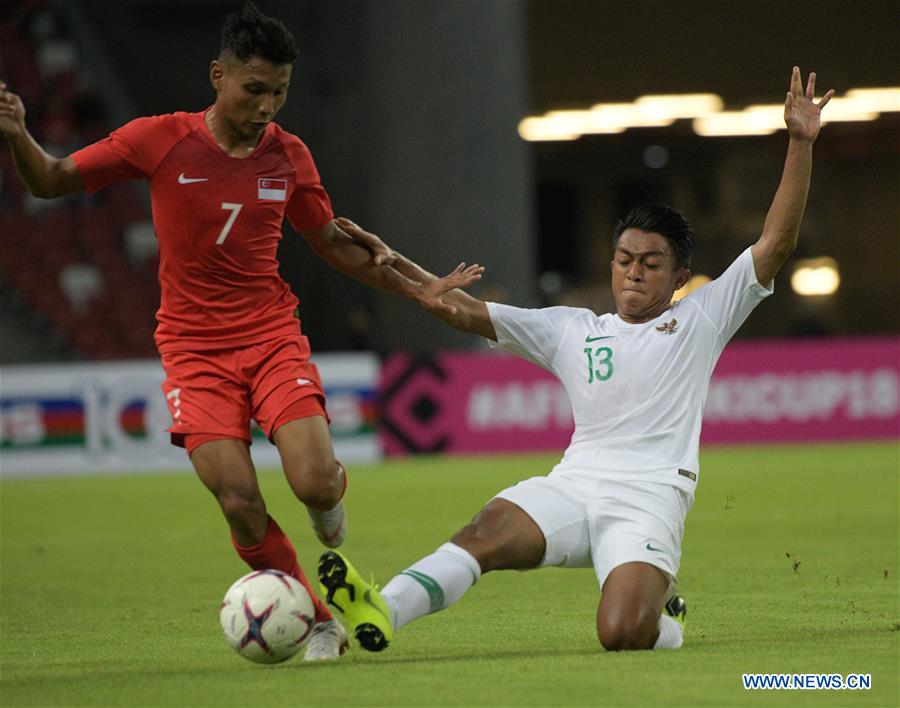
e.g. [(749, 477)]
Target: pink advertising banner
[(834, 389), (802, 390)]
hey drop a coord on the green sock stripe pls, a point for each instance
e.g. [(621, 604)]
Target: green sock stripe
[(435, 592)]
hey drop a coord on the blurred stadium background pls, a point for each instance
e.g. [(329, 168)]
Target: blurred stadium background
[(452, 129), (511, 134)]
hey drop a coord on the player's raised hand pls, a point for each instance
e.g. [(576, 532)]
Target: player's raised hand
[(12, 113), (432, 295), (381, 252), (802, 114)]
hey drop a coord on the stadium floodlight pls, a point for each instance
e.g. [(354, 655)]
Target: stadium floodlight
[(849, 109), (590, 121), (687, 105), (607, 117), (816, 276), (883, 100), (661, 110), (541, 128), (728, 123)]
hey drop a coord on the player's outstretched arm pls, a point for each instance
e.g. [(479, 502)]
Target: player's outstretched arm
[(44, 175), (779, 236), (442, 297)]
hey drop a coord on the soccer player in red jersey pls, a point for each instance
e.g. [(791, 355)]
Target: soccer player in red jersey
[(222, 181)]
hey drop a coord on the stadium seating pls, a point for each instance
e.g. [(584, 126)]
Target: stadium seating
[(85, 264)]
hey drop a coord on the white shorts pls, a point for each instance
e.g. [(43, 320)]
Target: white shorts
[(604, 523)]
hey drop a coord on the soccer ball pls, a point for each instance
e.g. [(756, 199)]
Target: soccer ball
[(267, 616)]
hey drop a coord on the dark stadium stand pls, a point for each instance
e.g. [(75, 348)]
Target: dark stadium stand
[(67, 262)]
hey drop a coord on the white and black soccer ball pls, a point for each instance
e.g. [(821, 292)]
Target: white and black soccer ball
[(267, 616)]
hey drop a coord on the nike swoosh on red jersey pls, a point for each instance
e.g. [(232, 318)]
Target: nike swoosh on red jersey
[(188, 180)]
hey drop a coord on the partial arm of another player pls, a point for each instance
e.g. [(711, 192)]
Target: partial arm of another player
[(364, 257), (44, 175), (442, 296), (779, 236)]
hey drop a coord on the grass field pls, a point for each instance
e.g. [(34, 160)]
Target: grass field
[(111, 586)]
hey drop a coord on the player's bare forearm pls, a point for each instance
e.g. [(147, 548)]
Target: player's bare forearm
[(471, 314), (45, 176), (442, 297), (405, 278), (341, 252), (782, 225), (465, 313), (413, 270)]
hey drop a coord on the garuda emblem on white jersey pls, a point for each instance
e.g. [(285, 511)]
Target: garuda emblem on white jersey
[(668, 327)]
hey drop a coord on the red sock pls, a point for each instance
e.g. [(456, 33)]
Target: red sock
[(276, 551)]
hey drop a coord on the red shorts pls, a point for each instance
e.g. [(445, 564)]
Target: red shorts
[(214, 394)]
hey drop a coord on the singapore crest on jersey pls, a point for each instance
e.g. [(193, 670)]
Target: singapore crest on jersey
[(272, 190)]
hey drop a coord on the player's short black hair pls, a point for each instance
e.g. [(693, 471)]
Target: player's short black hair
[(663, 220), (249, 33)]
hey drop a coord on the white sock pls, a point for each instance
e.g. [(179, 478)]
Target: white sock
[(431, 584), (671, 635)]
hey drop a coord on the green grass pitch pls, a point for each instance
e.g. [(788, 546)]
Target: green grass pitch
[(111, 588)]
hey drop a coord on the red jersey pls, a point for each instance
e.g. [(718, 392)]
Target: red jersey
[(218, 222)]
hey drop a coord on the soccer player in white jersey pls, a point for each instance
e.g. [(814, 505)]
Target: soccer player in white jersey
[(637, 380)]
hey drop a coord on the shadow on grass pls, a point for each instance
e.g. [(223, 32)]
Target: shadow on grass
[(356, 658), (524, 654)]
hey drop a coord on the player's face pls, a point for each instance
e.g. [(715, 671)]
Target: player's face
[(249, 94), (645, 273)]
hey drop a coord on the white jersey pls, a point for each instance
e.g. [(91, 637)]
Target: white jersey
[(637, 390)]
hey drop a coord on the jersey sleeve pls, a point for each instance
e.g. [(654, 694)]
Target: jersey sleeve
[(309, 206), (131, 152), (533, 334), (729, 299)]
